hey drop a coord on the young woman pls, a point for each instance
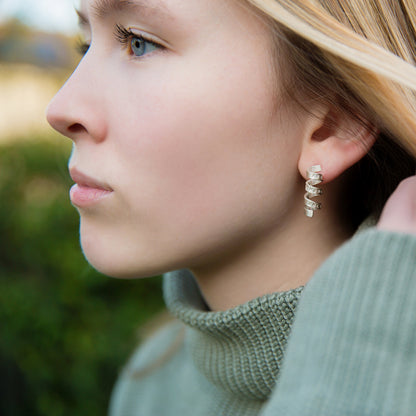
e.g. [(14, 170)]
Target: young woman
[(195, 126)]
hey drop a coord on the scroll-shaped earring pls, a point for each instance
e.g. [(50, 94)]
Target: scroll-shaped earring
[(314, 178)]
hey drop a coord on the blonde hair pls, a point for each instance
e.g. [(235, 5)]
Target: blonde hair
[(370, 44)]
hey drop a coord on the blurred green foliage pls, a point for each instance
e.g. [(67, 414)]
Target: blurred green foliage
[(65, 329)]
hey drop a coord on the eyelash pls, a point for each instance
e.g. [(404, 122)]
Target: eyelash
[(123, 36)]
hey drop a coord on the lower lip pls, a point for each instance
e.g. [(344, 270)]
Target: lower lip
[(84, 196)]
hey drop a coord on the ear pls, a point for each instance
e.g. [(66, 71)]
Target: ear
[(336, 141)]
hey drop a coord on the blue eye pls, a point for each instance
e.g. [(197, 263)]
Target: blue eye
[(136, 45), (140, 46)]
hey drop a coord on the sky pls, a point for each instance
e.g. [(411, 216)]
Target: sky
[(47, 15)]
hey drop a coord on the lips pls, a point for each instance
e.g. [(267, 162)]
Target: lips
[(87, 191)]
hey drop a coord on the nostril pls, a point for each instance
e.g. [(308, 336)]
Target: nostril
[(76, 128)]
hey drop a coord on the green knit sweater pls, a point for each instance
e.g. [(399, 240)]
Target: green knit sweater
[(352, 346)]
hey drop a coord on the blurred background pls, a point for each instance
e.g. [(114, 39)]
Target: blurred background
[(65, 330)]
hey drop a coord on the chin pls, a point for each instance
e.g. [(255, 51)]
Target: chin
[(112, 261), (108, 252), (113, 251), (112, 267)]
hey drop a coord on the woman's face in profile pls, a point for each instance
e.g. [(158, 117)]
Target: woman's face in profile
[(181, 153)]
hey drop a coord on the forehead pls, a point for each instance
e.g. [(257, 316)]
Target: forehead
[(163, 8), (100, 9)]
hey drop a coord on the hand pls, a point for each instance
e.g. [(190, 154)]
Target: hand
[(399, 213)]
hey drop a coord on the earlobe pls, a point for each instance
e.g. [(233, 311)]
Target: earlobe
[(336, 144)]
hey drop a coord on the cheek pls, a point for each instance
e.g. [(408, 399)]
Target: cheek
[(196, 147)]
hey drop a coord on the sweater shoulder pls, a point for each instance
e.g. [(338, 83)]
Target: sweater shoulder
[(353, 341), (150, 360), (157, 349)]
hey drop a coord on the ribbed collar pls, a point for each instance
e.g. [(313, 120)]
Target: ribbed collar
[(239, 350)]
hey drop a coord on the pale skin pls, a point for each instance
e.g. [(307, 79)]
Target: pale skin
[(200, 168)]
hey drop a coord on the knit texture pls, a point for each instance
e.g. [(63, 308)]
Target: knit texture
[(351, 351), (353, 347), (240, 350)]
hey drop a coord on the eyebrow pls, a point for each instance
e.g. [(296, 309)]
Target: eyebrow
[(104, 8)]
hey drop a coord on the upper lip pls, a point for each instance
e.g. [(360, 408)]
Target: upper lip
[(84, 180)]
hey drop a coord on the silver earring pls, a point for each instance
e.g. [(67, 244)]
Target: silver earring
[(314, 178)]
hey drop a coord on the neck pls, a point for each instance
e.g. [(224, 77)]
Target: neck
[(282, 259)]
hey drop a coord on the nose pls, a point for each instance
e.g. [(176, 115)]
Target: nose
[(77, 110)]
